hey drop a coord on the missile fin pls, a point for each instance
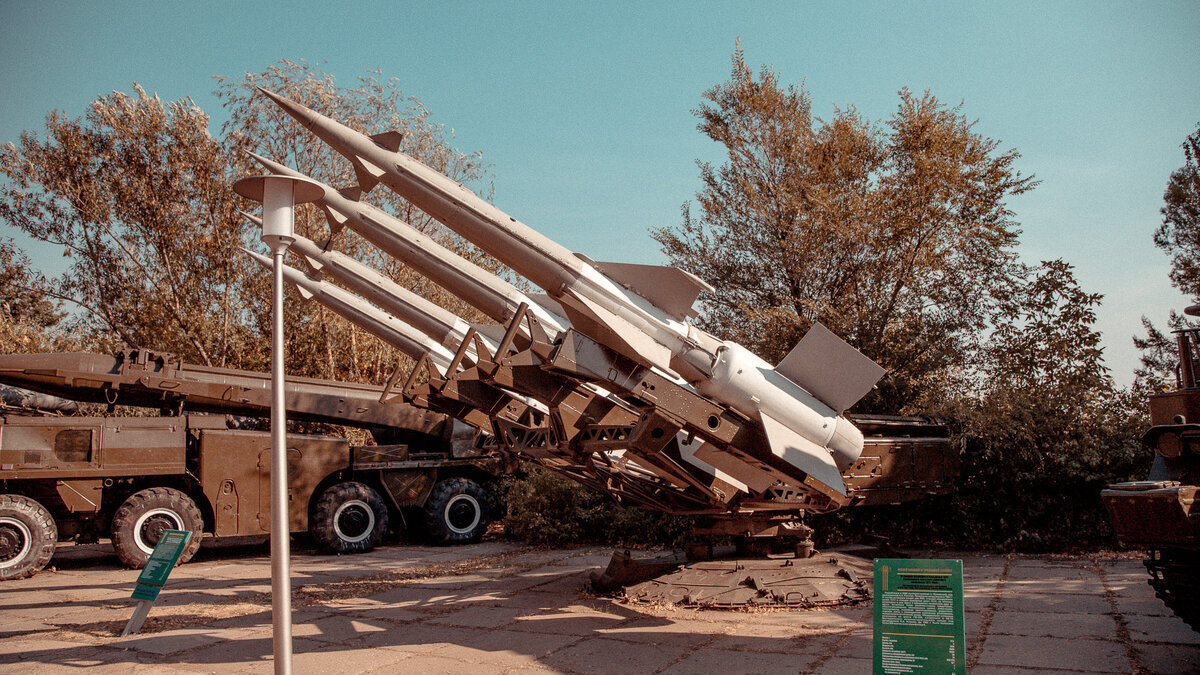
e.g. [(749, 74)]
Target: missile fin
[(389, 140), (670, 289), (805, 455), (353, 193), (304, 292), (494, 332), (367, 174), (335, 219), (314, 265), (609, 329), (827, 367)]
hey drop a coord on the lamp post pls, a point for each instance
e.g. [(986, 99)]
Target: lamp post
[(279, 195)]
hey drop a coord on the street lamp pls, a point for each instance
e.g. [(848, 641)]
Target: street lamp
[(279, 195)]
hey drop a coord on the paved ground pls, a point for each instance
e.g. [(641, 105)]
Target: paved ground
[(501, 608)]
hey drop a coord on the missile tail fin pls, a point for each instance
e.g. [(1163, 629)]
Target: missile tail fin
[(609, 329), (812, 459), (669, 288), (353, 193), (827, 367), (389, 140), (334, 219), (367, 174)]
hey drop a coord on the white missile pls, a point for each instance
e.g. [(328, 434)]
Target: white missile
[(362, 314), (640, 311), (481, 289)]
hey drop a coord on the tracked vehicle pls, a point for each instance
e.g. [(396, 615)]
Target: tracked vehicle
[(1159, 514)]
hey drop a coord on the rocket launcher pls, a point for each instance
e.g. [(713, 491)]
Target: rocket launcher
[(635, 316)]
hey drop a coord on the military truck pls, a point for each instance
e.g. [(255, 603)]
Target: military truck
[(131, 478), (1159, 514)]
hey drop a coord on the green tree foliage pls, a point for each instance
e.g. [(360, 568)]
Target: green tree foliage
[(136, 192), (321, 343), (894, 237)]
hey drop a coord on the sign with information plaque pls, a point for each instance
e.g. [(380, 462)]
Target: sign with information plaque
[(154, 575), (919, 625)]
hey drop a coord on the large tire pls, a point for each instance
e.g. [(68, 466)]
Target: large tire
[(456, 512), (140, 522), (349, 518), (27, 537)]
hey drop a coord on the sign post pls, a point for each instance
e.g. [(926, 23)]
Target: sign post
[(919, 623), (154, 575)]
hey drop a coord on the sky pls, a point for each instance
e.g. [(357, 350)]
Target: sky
[(584, 110)]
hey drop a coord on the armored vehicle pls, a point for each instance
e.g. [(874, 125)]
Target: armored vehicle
[(131, 478), (1157, 514)]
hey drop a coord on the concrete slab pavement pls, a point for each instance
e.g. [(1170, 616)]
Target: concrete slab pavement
[(499, 607)]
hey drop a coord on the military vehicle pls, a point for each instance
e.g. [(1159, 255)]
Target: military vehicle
[(1157, 514), (131, 478)]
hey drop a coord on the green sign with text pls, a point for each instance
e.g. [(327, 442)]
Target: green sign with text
[(162, 560), (919, 625)]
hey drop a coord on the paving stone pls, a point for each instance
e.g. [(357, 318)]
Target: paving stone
[(1169, 658), (311, 656), (339, 628), (571, 621), (430, 664), (235, 653), (483, 617), (682, 633), (711, 661), (1048, 624), (510, 647), (171, 642), (842, 665), (419, 638), (1162, 629), (1053, 602), (1102, 656), (755, 637), (602, 656)]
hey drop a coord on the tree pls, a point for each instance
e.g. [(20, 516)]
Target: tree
[(895, 238), (137, 194), (29, 319), (1179, 234), (1179, 237), (321, 343)]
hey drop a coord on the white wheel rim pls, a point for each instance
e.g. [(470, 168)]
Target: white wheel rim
[(139, 541), (26, 536), (362, 506), (460, 501)]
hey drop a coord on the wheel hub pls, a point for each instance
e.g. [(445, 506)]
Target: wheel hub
[(462, 514), (354, 521), (15, 539)]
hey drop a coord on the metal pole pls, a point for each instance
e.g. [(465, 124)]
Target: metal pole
[(281, 572), (279, 196)]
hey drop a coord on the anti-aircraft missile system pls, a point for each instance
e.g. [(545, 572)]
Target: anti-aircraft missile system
[(605, 380)]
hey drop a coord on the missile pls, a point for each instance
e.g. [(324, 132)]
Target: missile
[(357, 311), (488, 293), (641, 312)]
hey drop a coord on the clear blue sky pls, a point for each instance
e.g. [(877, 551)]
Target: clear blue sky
[(584, 109)]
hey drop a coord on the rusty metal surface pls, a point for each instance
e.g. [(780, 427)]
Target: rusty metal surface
[(825, 580)]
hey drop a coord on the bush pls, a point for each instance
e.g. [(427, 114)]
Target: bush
[(545, 508)]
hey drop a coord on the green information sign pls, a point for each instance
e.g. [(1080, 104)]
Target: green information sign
[(162, 560), (919, 625), (154, 575)]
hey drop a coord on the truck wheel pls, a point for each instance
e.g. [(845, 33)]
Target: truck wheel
[(456, 512), (140, 522), (27, 537), (349, 518)]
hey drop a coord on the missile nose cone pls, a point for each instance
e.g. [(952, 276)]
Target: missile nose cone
[(260, 258), (304, 114), (252, 218), (262, 160)]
